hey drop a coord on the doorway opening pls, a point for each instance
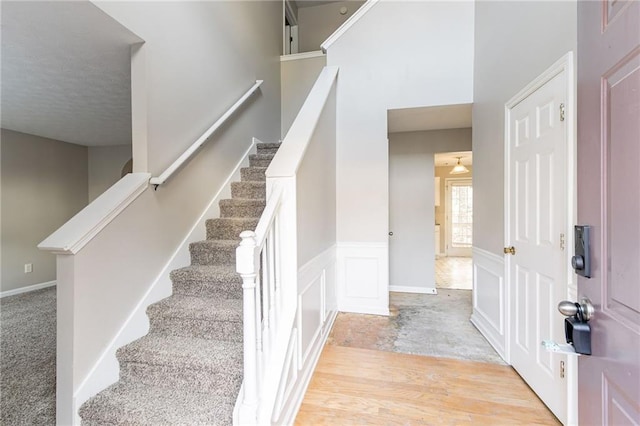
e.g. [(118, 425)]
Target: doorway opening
[(454, 220)]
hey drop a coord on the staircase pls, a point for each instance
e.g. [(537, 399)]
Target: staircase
[(188, 369)]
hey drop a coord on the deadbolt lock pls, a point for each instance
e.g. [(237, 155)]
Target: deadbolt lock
[(510, 250)]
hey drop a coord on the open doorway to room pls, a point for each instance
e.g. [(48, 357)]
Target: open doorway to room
[(454, 219), (430, 236)]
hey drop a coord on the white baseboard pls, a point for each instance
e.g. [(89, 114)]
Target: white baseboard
[(27, 289), (490, 299), (106, 370), (413, 289), (363, 278)]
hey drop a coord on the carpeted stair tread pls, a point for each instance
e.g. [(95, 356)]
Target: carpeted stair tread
[(253, 174), (210, 318), (207, 308), (241, 207), (207, 281), (183, 362), (260, 160), (211, 252), (183, 352), (214, 273), (248, 189), (229, 228), (268, 148), (138, 404)]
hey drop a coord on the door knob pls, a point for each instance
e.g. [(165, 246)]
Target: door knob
[(390, 233), (583, 310), (510, 250)]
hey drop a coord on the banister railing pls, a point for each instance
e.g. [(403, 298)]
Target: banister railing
[(267, 261), (159, 180)]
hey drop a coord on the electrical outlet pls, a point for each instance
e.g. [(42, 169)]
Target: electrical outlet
[(28, 267)]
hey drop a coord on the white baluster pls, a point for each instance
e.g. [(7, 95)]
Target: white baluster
[(247, 268)]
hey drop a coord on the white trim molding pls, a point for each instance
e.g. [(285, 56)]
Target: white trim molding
[(489, 299), (81, 228), (27, 289), (413, 289), (303, 55), (348, 24), (363, 278)]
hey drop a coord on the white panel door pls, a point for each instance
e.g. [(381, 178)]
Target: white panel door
[(537, 216)]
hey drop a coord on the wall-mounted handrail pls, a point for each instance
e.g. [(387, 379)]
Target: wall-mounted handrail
[(347, 24), (202, 139)]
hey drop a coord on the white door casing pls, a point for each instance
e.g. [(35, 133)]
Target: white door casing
[(538, 218)]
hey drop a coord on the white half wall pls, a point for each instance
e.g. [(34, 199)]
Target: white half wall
[(490, 299), (298, 73)]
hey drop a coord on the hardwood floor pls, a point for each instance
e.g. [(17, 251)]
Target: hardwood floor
[(353, 386)]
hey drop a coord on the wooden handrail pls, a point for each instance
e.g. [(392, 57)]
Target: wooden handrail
[(203, 139)]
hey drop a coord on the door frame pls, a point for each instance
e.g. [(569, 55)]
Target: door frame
[(447, 213), (566, 64)]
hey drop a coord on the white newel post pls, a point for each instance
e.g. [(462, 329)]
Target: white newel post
[(247, 267)]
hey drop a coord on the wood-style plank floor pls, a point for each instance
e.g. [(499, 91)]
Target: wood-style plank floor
[(354, 386)]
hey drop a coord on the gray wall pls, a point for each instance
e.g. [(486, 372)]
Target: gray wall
[(44, 183), (317, 23), (411, 158), (297, 78), (514, 43), (105, 167)]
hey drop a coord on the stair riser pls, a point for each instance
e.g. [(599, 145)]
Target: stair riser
[(245, 211), (248, 190), (208, 289), (189, 379), (268, 151), (259, 162), (204, 254), (221, 229), (252, 174), (199, 328)]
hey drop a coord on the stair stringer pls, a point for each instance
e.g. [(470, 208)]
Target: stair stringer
[(106, 370)]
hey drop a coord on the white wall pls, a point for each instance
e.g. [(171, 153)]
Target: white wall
[(297, 78), (44, 183), (515, 42), (411, 206), (317, 23), (105, 167), (398, 55), (200, 57)]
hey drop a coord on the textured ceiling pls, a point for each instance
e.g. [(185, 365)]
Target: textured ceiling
[(65, 72), (429, 118)]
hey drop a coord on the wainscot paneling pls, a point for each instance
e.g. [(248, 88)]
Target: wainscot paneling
[(489, 298), (363, 278), (315, 314)]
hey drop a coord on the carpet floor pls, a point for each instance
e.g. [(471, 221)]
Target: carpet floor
[(28, 358)]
